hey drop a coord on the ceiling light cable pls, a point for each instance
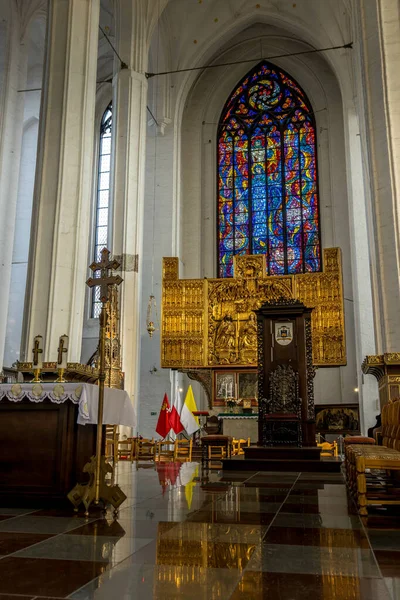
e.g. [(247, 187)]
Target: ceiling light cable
[(251, 60)]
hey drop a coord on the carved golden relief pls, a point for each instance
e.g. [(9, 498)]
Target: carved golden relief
[(210, 322)]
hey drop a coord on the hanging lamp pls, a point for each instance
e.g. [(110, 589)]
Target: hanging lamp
[(152, 323)]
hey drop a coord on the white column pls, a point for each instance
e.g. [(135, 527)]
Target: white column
[(60, 226), (11, 118), (129, 140), (359, 200), (380, 51), (390, 44)]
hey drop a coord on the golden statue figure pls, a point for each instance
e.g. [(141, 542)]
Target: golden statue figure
[(248, 339), (225, 340), (225, 337)]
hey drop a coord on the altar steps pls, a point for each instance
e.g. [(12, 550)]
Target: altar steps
[(325, 465), (283, 458)]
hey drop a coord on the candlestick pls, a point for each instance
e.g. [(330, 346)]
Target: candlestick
[(37, 350), (62, 352)]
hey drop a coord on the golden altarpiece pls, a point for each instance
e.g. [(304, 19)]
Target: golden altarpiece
[(209, 328)]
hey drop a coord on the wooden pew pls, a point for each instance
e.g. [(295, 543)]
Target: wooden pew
[(360, 458)]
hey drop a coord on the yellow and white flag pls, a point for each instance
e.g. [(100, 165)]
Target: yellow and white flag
[(188, 420)]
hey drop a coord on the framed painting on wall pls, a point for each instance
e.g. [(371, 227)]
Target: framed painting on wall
[(225, 385), (248, 385), (337, 418)]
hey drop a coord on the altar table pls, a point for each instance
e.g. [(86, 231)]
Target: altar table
[(240, 426), (118, 409), (47, 434)]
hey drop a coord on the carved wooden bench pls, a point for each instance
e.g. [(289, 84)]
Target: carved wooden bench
[(360, 458)]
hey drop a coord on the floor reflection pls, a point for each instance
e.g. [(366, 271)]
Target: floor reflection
[(188, 533)]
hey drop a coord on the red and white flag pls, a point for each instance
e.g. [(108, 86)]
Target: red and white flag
[(174, 417)]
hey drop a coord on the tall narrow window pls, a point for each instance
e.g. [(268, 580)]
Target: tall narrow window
[(267, 175), (102, 199)]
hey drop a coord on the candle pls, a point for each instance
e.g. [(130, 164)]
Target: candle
[(62, 352), (37, 350)]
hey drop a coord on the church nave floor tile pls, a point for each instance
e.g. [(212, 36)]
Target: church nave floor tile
[(45, 577), (34, 524), (302, 586), (13, 542), (86, 548), (330, 538), (245, 536), (314, 560)]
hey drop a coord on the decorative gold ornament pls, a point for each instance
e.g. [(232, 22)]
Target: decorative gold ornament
[(211, 322)]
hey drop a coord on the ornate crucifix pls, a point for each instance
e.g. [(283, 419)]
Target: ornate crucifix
[(97, 488), (105, 280)]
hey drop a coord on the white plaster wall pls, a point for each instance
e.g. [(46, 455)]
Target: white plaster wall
[(159, 240)]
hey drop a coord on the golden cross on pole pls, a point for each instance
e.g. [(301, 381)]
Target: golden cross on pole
[(97, 487), (105, 280)]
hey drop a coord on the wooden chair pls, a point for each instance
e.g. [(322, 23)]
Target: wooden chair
[(217, 452), (243, 444), (145, 450), (328, 449), (126, 449), (235, 447), (183, 450), (222, 442), (165, 451), (213, 425), (111, 449)]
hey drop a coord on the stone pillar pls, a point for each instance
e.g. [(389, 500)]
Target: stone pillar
[(359, 201), (57, 268), (380, 50), (11, 118), (129, 139)]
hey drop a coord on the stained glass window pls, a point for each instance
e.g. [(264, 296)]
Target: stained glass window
[(102, 199), (267, 175)]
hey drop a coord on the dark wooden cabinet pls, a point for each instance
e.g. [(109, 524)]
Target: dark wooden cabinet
[(42, 452), (285, 375)]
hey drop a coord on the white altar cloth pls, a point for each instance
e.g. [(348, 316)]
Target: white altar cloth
[(118, 409)]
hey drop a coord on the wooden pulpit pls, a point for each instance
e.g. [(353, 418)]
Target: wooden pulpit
[(285, 375)]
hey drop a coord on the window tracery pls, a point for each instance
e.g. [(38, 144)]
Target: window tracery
[(267, 175)]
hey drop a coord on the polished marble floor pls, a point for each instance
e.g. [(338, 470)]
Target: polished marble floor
[(184, 533)]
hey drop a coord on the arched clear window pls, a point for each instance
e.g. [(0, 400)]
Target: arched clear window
[(102, 199), (267, 175)]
